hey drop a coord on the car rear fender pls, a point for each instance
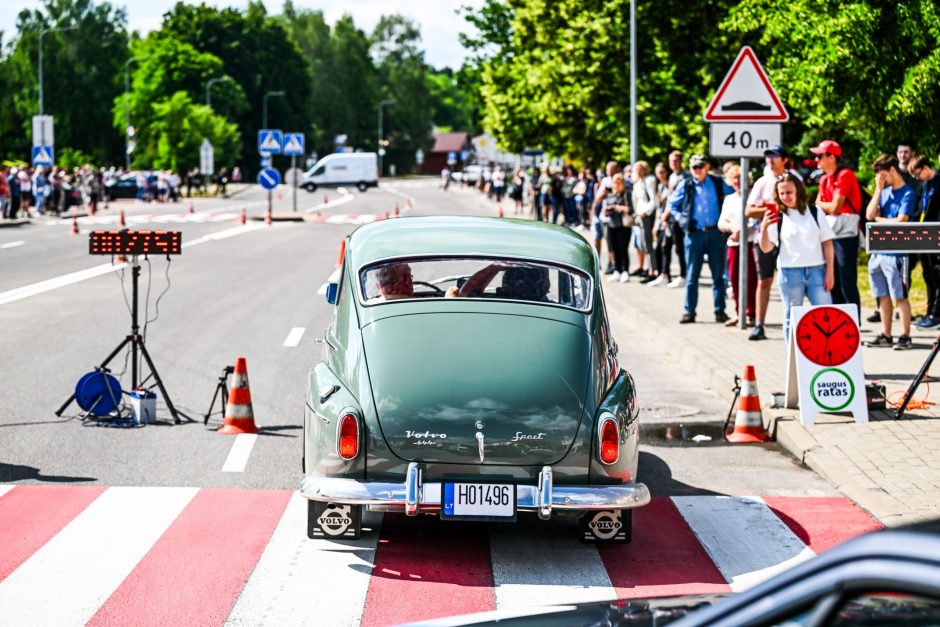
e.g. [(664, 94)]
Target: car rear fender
[(621, 402), (327, 401)]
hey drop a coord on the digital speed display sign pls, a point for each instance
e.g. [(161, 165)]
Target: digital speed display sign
[(904, 237), (126, 243)]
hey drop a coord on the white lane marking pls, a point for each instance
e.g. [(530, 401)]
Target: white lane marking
[(293, 338), (528, 566), (26, 291), (240, 452), (745, 539), (67, 580), (392, 190), (344, 198), (5, 488), (298, 581), (12, 244)]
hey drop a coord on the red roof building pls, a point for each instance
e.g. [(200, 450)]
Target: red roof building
[(453, 145)]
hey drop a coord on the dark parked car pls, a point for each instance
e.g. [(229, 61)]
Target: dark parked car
[(887, 577), (469, 373), (123, 187)]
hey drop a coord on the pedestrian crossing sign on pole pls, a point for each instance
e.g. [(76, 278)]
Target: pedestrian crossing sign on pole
[(294, 144), (270, 141), (42, 155)]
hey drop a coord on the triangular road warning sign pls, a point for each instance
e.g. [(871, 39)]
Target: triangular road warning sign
[(746, 94), (293, 144), (41, 156), (270, 143)]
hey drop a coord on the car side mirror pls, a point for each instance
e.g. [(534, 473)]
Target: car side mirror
[(332, 290)]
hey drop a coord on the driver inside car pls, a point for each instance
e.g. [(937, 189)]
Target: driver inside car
[(518, 283), (394, 282)]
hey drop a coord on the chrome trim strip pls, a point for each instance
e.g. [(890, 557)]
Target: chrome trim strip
[(545, 493), (412, 485), (327, 391), (480, 446), (316, 413), (394, 496), (327, 341)]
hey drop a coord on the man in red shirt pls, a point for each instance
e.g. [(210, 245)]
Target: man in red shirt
[(840, 197)]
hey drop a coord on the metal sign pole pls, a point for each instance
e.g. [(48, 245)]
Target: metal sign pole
[(293, 167), (270, 203), (743, 248)]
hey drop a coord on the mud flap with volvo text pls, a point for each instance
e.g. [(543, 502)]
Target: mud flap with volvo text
[(328, 520), (606, 527)]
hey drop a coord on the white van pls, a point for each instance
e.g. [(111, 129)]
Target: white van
[(343, 168)]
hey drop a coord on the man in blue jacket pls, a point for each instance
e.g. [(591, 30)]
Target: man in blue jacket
[(696, 203)]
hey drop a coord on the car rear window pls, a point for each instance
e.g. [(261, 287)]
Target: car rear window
[(497, 279)]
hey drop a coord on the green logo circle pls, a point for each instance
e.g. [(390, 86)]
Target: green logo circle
[(827, 403)]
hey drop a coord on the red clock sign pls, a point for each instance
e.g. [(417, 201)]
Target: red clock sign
[(827, 336)]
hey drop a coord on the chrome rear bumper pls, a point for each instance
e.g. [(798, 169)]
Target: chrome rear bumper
[(413, 496)]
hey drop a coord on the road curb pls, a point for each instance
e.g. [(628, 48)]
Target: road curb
[(5, 224)]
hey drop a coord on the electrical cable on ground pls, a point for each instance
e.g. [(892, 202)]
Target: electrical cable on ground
[(897, 397)]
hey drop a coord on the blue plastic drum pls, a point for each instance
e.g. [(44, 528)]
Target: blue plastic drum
[(98, 393)]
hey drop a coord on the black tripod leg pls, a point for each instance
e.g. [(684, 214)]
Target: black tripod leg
[(920, 377), (215, 395), (156, 377), (106, 361)]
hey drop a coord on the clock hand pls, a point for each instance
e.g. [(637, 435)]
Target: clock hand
[(821, 330), (839, 326)]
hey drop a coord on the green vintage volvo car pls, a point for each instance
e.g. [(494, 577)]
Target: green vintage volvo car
[(468, 372)]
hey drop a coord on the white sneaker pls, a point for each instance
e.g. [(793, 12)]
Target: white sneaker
[(613, 278), (676, 282), (625, 277), (656, 282)]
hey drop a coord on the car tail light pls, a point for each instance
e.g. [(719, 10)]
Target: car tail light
[(348, 442), (609, 441)]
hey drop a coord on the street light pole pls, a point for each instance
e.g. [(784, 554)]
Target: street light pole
[(634, 149), (42, 33), (264, 106), (213, 81), (127, 109), (379, 152)]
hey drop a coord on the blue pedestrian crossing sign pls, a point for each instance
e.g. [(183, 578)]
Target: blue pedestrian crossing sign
[(294, 144), (269, 178), (269, 141), (42, 155)]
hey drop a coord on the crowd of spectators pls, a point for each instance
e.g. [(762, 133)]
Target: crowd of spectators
[(808, 244)]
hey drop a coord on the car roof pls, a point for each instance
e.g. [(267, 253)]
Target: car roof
[(469, 236)]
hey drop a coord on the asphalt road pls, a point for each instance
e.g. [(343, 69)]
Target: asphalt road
[(244, 290), (241, 291)]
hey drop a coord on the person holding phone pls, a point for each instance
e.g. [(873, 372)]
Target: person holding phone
[(760, 200), (803, 240)]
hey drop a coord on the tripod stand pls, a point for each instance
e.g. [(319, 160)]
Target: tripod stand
[(220, 388), (918, 378), (136, 342)]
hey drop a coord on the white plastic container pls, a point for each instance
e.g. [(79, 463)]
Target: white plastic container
[(144, 407)]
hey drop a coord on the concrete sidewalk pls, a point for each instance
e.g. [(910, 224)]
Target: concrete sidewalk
[(891, 468)]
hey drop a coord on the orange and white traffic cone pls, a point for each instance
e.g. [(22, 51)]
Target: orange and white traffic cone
[(121, 221), (74, 226), (395, 211), (326, 199), (411, 202), (244, 217), (267, 217), (499, 211), (239, 416), (748, 423), (191, 208), (386, 215)]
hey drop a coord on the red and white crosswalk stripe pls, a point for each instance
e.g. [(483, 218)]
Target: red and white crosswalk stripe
[(158, 556)]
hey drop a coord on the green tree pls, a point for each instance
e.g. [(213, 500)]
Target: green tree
[(179, 128), (257, 52), (867, 73), (402, 70), (452, 106), (81, 70)]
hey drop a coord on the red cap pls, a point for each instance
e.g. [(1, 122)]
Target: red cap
[(827, 146)]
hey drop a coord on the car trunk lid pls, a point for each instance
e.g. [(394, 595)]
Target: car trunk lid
[(440, 379)]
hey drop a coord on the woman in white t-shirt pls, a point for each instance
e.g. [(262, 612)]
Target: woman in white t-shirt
[(730, 222), (805, 257)]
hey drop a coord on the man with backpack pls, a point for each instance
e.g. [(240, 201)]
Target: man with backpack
[(840, 197), (696, 203)]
